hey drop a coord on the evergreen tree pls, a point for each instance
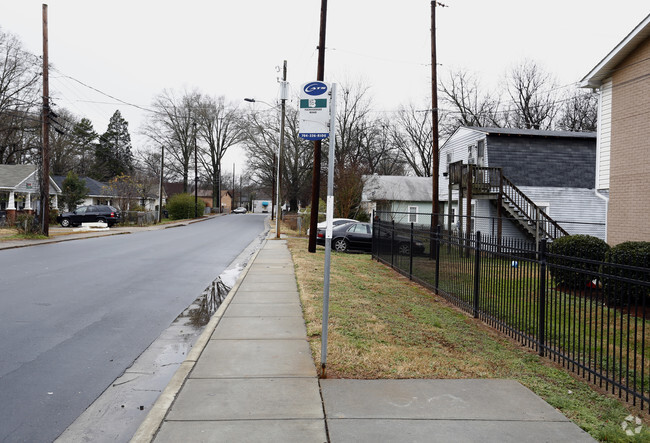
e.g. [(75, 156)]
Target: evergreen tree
[(85, 142), (74, 191), (113, 155)]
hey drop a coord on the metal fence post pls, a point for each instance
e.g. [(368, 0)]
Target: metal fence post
[(542, 297), (374, 235), (477, 267), (411, 255), (392, 243), (437, 256)]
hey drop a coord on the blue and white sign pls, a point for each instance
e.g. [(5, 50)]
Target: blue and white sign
[(314, 116)]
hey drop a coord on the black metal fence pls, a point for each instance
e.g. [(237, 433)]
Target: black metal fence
[(596, 328)]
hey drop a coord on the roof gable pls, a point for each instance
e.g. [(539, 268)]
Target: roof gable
[(397, 188), (604, 69), (11, 176)]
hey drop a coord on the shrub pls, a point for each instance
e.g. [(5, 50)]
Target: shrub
[(27, 224), (181, 206), (569, 251), (622, 293)]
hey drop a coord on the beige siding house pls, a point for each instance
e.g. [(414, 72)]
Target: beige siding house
[(623, 146)]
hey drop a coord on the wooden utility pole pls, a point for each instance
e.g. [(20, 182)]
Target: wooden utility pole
[(45, 171), (160, 189), (315, 181), (435, 163)]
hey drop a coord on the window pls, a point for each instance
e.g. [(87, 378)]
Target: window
[(480, 152), (413, 214), (544, 206), (448, 161)]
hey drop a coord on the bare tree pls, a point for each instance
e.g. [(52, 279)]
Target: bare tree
[(19, 111), (261, 145), (297, 163), (413, 137), (220, 127), (467, 104), (172, 126), (533, 94), (579, 111), (380, 152), (353, 126)]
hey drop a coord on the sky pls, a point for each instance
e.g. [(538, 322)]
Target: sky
[(132, 50)]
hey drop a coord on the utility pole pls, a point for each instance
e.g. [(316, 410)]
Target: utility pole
[(232, 205), (434, 115), (160, 188), (315, 183), (45, 171), (284, 100), (196, 177)]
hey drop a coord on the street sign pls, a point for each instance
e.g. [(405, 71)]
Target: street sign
[(314, 115)]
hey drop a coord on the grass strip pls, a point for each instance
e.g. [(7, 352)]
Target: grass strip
[(384, 326)]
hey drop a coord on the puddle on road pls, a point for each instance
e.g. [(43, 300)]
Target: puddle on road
[(200, 312)]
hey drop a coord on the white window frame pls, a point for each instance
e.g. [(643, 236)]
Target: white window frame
[(413, 213)]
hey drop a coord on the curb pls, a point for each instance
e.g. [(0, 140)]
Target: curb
[(149, 427)]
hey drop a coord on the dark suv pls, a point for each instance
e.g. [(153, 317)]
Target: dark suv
[(92, 213)]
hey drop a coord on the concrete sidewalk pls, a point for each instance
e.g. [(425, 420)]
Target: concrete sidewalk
[(251, 377)]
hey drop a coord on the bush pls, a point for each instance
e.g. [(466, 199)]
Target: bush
[(621, 293), (571, 249), (27, 224), (181, 206)]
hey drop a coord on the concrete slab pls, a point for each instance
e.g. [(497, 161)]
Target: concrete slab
[(247, 328), (286, 431), (255, 358), (435, 399), (248, 399), (269, 278), (457, 431), (272, 269), (265, 297), (264, 310), (286, 286)]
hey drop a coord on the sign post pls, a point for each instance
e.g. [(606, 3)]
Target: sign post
[(318, 121)]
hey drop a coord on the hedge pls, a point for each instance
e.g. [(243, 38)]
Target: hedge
[(570, 251), (636, 258)]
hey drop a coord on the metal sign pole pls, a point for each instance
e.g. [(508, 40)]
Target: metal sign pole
[(328, 232)]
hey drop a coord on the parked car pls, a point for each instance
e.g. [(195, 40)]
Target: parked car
[(240, 210), (89, 214), (335, 222), (358, 236)]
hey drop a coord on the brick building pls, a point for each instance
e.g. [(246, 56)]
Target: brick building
[(622, 79)]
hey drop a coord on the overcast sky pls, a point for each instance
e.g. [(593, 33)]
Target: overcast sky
[(133, 49)]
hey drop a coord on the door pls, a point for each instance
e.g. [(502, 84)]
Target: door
[(360, 236)]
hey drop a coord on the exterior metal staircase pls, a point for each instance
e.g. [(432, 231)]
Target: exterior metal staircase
[(474, 181)]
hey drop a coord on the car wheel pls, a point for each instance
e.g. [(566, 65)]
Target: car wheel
[(404, 249), (65, 223), (101, 220), (340, 245)]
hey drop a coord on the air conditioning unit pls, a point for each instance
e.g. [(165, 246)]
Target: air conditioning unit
[(471, 161)]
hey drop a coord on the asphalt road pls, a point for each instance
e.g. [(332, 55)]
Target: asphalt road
[(75, 315)]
